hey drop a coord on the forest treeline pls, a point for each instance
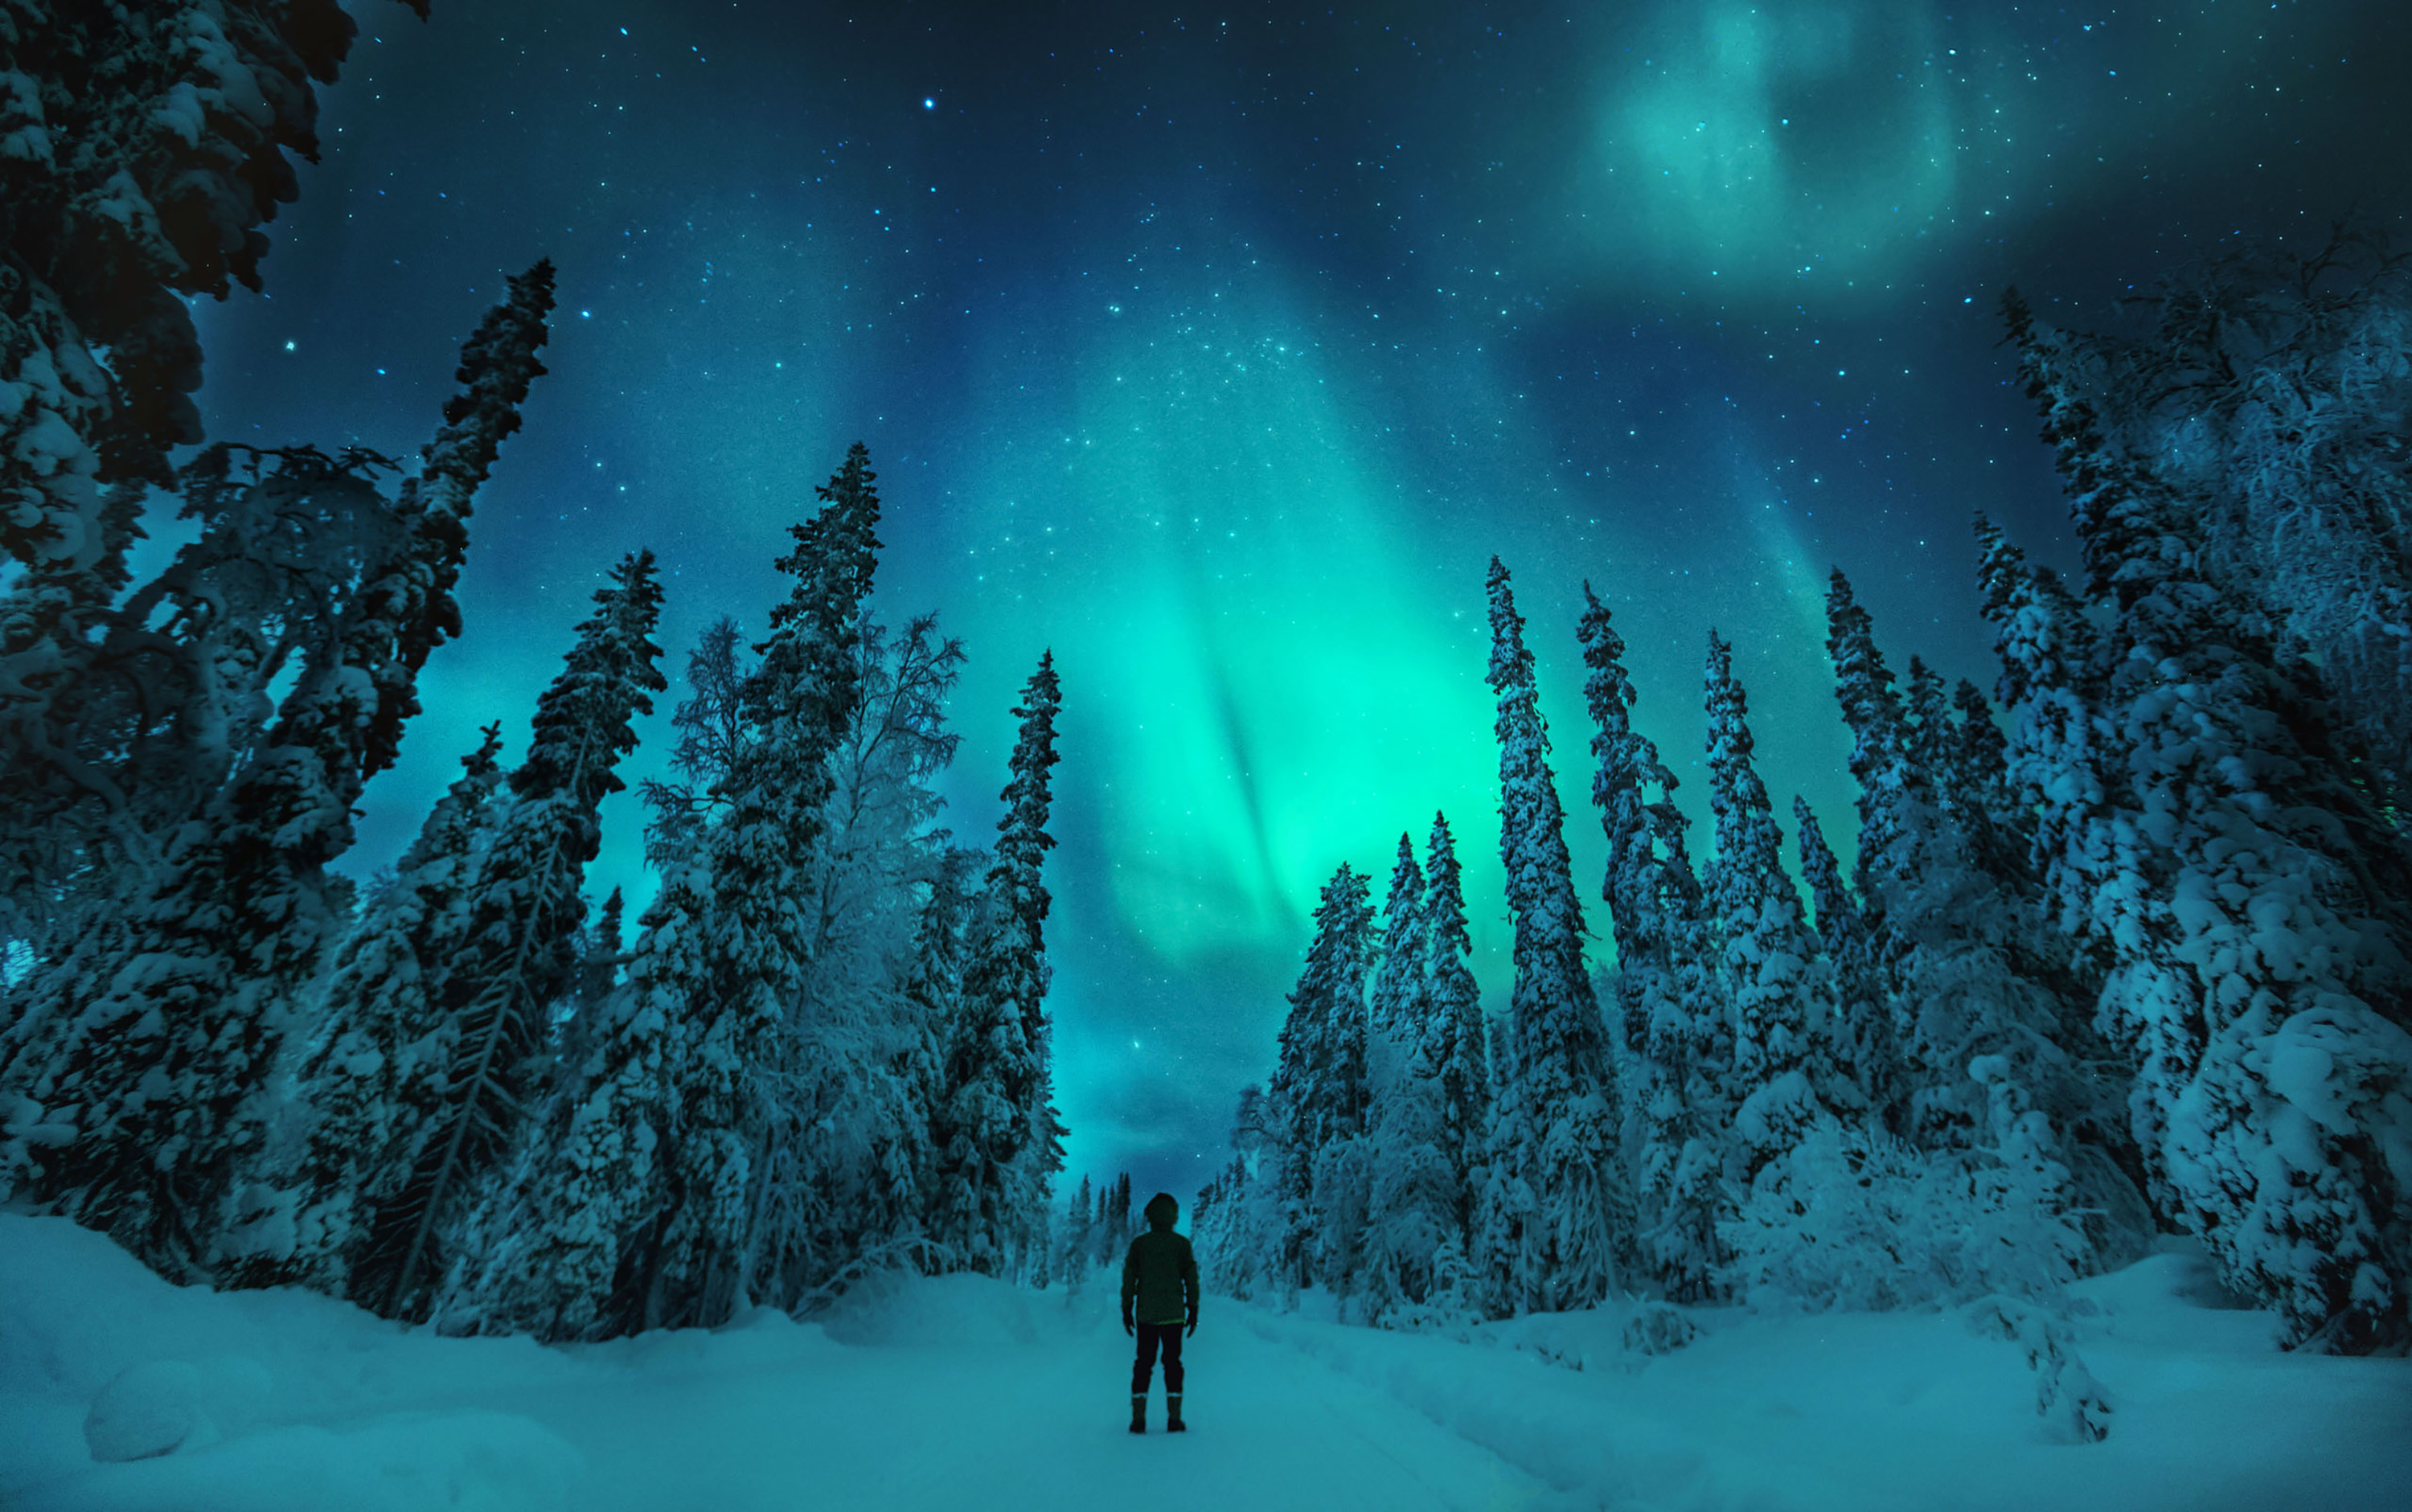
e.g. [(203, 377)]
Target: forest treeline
[(454, 1094), (2125, 949)]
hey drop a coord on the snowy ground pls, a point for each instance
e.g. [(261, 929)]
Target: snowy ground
[(965, 1394)]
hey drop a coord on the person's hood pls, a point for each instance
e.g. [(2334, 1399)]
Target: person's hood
[(1162, 1211)]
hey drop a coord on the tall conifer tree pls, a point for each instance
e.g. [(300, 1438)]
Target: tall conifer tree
[(1559, 1209), (1781, 987), (2256, 929), (518, 945), (797, 704), (1674, 1119), (370, 1087), (1318, 1096), (156, 1085), (1454, 1031), (998, 1141)]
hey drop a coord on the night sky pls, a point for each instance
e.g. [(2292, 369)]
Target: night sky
[(1219, 349)]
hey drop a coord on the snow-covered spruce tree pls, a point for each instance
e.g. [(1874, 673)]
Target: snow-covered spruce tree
[(139, 722), (146, 145), (59, 814), (1454, 1040), (599, 958), (497, 365), (1119, 1227), (1976, 968), (2268, 387), (1781, 987), (1673, 1118), (1319, 1097), (2059, 768), (1073, 1241), (1859, 1038), (1401, 977), (151, 1092), (568, 1244), (1889, 789), (370, 1079), (802, 696), (904, 1166), (2257, 931), (995, 1131), (1558, 1207), (1626, 765), (517, 949), (1413, 1199), (1236, 1226)]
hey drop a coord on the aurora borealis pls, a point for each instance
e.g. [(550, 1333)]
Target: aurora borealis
[(1219, 350)]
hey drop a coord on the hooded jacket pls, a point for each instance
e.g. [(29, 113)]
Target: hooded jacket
[(1160, 1273)]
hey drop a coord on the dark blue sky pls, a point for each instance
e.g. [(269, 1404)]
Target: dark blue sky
[(1218, 350)]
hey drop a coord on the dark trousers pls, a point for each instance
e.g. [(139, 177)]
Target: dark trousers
[(1151, 1336)]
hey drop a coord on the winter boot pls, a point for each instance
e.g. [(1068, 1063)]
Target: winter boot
[(1173, 1423), (1139, 1414)]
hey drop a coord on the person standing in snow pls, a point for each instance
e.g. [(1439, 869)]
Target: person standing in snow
[(1159, 1297)]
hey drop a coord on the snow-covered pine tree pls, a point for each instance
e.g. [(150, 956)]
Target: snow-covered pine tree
[(2258, 936), (370, 1080), (599, 960), (517, 948), (571, 1245), (1236, 1225), (154, 1090), (1078, 1242), (905, 1149), (139, 722), (2268, 387), (146, 147), (1454, 1036), (1672, 1127), (568, 1245), (497, 365), (1978, 974), (1558, 1205), (1414, 1198), (799, 701), (994, 1135), (1889, 787), (1318, 1096), (2059, 771), (1401, 977), (1860, 1038), (1781, 986), (54, 623), (1121, 1227)]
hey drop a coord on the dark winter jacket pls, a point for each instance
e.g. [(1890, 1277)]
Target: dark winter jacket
[(1160, 1274)]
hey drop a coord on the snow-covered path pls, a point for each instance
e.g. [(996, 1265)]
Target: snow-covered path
[(962, 1393), (1000, 1424)]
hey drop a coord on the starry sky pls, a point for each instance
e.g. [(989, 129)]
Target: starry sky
[(1218, 349)]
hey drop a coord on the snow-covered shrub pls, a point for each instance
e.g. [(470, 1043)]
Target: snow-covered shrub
[(1854, 1220), (2072, 1403), (1658, 1329)]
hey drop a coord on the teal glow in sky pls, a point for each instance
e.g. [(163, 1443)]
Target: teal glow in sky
[(1219, 352)]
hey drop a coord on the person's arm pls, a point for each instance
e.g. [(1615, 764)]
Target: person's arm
[(1189, 1281), (1130, 1286)]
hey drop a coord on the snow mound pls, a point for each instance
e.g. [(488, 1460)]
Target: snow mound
[(121, 1391), (951, 1311), (150, 1410)]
